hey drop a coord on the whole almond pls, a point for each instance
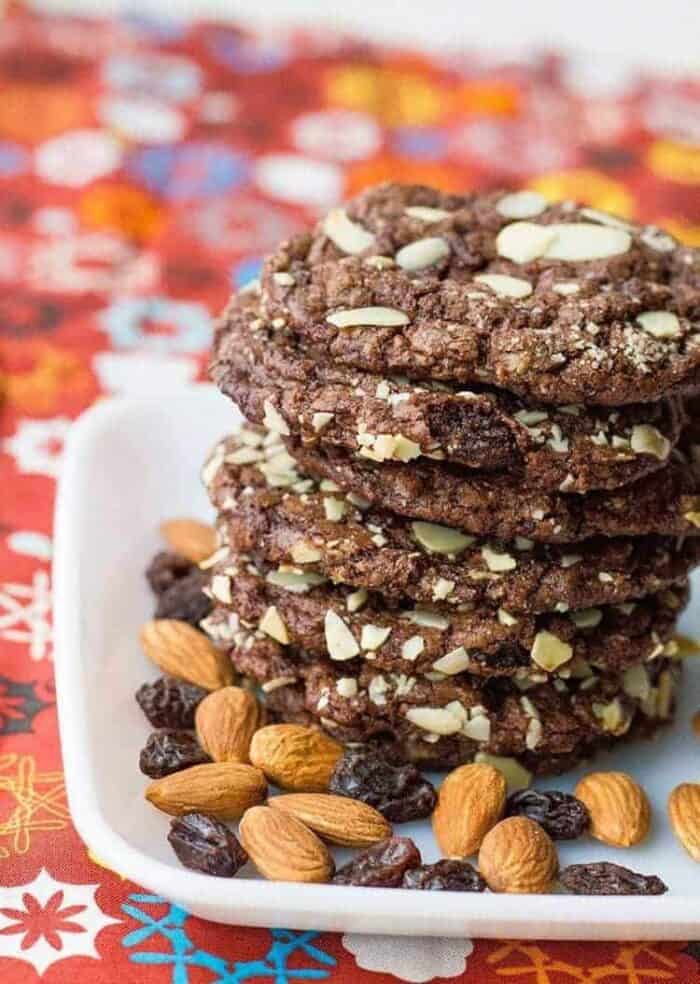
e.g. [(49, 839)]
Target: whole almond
[(619, 808), (226, 721), (224, 790), (337, 819), (684, 814), (517, 856), (282, 848), (181, 651), (294, 757), (194, 540), (470, 802)]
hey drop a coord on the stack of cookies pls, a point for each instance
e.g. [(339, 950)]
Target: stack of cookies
[(460, 521)]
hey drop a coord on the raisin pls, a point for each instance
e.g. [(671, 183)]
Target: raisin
[(170, 703), (166, 569), (399, 792), (382, 866), (560, 815), (606, 878), (166, 752), (205, 844), (445, 876), (185, 599)]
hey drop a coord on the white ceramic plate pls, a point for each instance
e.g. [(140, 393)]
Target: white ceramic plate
[(131, 463)]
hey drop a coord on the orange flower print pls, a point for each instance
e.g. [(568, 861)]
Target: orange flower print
[(389, 168), (32, 113), (39, 379), (591, 187), (487, 97), (123, 209)]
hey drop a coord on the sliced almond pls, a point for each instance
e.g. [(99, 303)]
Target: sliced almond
[(284, 849), (188, 537), (338, 819), (648, 440), (427, 214), (226, 721), (294, 757), (370, 317), (183, 652), (619, 808), (505, 286), (521, 204), (224, 790), (471, 800), (550, 652), (440, 539), (340, 641), (272, 624), (660, 324), (348, 236), (423, 253)]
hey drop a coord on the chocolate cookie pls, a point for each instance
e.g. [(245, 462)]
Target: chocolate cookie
[(568, 448), (333, 622), (555, 302), (547, 726), (666, 502), (302, 526)]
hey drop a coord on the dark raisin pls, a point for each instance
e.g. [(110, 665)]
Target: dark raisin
[(166, 752), (170, 703), (166, 569), (560, 815), (605, 878), (445, 876), (205, 844), (399, 792), (382, 866), (185, 599)]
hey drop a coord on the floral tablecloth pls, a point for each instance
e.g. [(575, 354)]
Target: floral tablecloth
[(145, 167)]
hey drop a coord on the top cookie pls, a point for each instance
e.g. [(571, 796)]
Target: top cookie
[(554, 302)]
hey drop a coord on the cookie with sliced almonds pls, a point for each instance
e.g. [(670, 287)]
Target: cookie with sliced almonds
[(378, 419), (348, 627), (290, 521), (665, 502), (555, 302), (522, 725)]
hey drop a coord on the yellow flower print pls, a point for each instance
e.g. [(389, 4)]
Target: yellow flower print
[(396, 96), (591, 187), (675, 161)]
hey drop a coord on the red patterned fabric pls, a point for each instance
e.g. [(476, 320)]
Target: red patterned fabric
[(144, 169)]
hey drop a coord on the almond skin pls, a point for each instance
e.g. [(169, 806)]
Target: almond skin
[(224, 790), (684, 814), (470, 802), (294, 757), (619, 808), (181, 651), (337, 819), (188, 537), (516, 856), (282, 848), (226, 721)]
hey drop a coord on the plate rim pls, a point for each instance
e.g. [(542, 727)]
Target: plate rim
[(304, 906)]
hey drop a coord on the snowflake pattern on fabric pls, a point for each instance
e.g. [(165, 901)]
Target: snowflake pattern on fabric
[(19, 705), (184, 955), (48, 920), (24, 614)]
